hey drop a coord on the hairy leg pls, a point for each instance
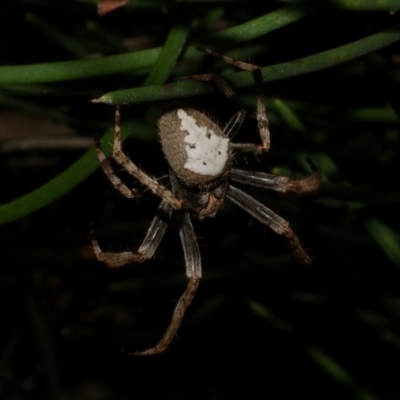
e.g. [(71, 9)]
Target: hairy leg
[(261, 115), (270, 219), (193, 273), (111, 175), (147, 249), (281, 184), (125, 162)]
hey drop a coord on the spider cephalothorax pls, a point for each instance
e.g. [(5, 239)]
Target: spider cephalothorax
[(200, 153)]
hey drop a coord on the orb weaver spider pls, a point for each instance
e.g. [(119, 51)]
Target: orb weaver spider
[(200, 154)]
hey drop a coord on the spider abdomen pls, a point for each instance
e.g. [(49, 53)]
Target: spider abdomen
[(194, 146)]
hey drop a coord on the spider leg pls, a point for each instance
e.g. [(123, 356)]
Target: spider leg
[(236, 121), (234, 124), (111, 175), (125, 162), (148, 247), (281, 184), (262, 120), (193, 273), (270, 219)]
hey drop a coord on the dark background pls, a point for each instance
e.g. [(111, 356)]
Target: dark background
[(260, 325)]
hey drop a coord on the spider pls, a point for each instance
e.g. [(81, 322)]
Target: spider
[(200, 154)]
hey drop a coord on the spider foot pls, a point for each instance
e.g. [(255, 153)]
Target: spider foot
[(177, 316), (309, 185)]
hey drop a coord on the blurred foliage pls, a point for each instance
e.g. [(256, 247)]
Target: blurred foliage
[(259, 325)]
